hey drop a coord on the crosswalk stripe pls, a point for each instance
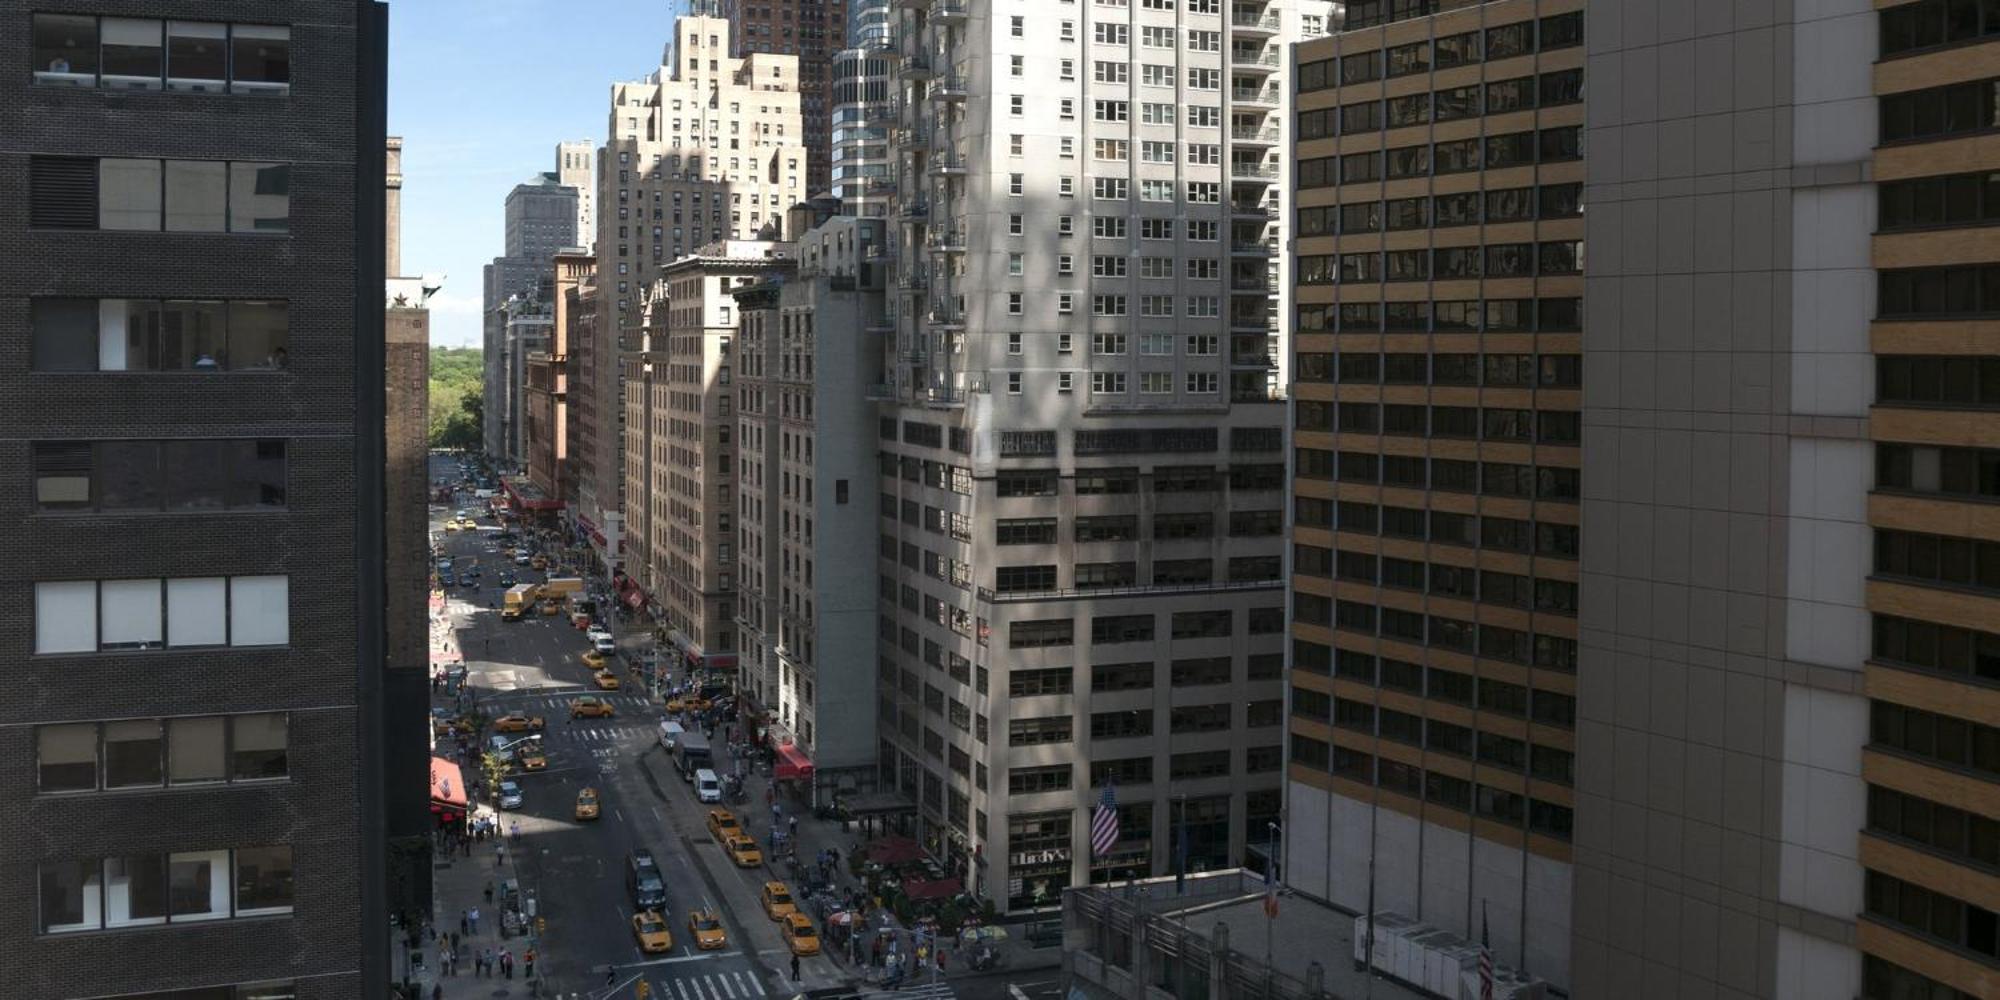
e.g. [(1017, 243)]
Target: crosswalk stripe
[(755, 986), (680, 987), (729, 987)]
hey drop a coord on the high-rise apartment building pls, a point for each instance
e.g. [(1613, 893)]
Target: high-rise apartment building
[(1083, 453), (812, 30), (576, 168), (545, 385), (540, 216), (1436, 373), (864, 167), (1736, 739), (706, 148), (197, 756), (808, 348), (680, 463)]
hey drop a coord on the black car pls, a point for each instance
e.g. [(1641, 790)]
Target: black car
[(644, 881)]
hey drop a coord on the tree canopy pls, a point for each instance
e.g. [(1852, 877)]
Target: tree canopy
[(456, 397)]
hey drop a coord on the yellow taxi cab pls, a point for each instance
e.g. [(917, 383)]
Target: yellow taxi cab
[(551, 609), (777, 899), (593, 659), (652, 932), (744, 852), (690, 703), (799, 934), (586, 804), (722, 825), (515, 722), (450, 525), (590, 706), (606, 680), (533, 760), (707, 930)]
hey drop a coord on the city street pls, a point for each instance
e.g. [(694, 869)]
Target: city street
[(573, 870)]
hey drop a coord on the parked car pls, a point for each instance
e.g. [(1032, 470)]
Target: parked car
[(510, 795)]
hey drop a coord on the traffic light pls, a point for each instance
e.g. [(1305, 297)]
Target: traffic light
[(541, 926)]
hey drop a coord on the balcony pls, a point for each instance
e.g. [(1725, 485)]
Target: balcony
[(948, 11), (1255, 61), (1242, 171), (1258, 323), (1262, 135), (1253, 22), (949, 88), (914, 136), (1252, 210), (947, 241), (916, 208), (948, 165), (944, 399), (912, 4), (881, 392), (1253, 248), (915, 279), (1268, 97), (1253, 283), (945, 316), (917, 66)]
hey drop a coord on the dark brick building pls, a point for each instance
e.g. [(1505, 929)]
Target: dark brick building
[(193, 750)]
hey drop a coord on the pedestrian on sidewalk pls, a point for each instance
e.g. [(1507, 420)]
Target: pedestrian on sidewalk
[(464, 922), (437, 991), (486, 962), (795, 828), (489, 892), (507, 963), (530, 959), (454, 945), (475, 920), (795, 969)]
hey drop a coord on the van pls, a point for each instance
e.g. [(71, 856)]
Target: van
[(671, 733), (644, 881), (707, 787)]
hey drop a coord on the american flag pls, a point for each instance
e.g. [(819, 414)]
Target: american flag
[(1104, 822), (1485, 956)]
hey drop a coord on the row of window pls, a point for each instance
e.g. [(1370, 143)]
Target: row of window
[(1929, 24), (1525, 93), (1545, 819), (1135, 723), (158, 335), (1444, 211), (176, 196), (1121, 481), (1495, 370), (1963, 652), (150, 753), (1126, 527), (1495, 152), (1550, 315), (1937, 559), (1940, 112), (82, 616), (1963, 835), (1882, 979), (1943, 471), (1543, 763), (1471, 423), (1942, 739), (1439, 527), (158, 475), (1446, 475), (1165, 573), (1139, 675), (1205, 764), (1957, 381), (1558, 31), (1931, 914), (1492, 260), (1551, 708), (1931, 202), (123, 53), (1464, 583), (1493, 642), (144, 890)]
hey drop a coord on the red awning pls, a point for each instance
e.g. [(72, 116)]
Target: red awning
[(792, 763), (635, 599), (893, 851), (447, 789), (943, 888)]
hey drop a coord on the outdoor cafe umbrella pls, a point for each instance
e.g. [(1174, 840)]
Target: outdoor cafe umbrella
[(985, 932)]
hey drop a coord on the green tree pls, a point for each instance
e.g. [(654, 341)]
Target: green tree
[(456, 400)]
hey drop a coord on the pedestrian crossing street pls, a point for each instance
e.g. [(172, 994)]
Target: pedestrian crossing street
[(712, 986)]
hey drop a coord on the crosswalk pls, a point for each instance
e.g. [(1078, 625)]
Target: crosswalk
[(557, 705), (714, 986)]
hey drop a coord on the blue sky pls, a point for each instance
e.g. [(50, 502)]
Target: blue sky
[(481, 91)]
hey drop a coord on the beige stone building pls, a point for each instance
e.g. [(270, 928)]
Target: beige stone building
[(706, 148), (681, 448)]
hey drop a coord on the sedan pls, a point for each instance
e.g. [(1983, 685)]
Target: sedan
[(744, 852), (594, 660), (586, 804), (707, 930), (652, 932), (591, 707), (521, 559), (510, 795), (515, 722), (605, 680), (532, 759), (604, 644)]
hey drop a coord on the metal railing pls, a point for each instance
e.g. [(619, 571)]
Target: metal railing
[(1253, 59), (1248, 19), (1254, 95), (1254, 133)]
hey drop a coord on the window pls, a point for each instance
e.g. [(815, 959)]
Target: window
[(147, 889), (196, 55), (1039, 731), (158, 475), (1034, 780), (86, 616), (155, 195), (1041, 633)]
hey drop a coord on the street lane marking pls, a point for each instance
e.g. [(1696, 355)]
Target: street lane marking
[(680, 987), (730, 987), (755, 985), (1016, 992)]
